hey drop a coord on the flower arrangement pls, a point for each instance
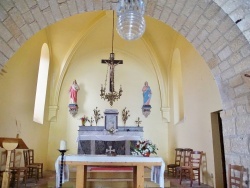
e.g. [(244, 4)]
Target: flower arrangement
[(84, 119), (112, 130), (97, 115), (143, 147), (125, 115)]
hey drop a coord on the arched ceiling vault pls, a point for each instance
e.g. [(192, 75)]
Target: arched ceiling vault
[(209, 25), (67, 58), (97, 20)]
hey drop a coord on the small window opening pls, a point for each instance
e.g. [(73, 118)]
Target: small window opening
[(41, 88)]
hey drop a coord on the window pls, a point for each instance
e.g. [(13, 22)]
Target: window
[(41, 87)]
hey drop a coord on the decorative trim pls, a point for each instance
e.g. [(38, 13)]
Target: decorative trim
[(166, 114), (52, 113)]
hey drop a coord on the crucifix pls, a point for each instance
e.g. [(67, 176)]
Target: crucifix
[(112, 96), (112, 63)]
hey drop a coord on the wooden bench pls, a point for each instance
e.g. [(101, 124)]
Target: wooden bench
[(109, 169)]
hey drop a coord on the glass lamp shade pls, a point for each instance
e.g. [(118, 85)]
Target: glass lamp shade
[(130, 23)]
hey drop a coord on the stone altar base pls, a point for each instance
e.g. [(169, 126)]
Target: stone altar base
[(95, 139)]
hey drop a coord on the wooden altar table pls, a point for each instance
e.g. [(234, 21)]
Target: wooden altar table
[(137, 162)]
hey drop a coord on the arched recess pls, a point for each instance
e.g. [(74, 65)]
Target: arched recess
[(66, 63), (165, 110), (79, 40), (177, 88)]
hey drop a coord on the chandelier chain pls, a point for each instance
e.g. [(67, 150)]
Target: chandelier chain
[(113, 32)]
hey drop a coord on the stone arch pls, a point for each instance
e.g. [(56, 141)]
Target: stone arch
[(218, 29)]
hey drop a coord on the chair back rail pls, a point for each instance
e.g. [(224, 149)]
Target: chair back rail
[(171, 168), (235, 176), (192, 170), (29, 156)]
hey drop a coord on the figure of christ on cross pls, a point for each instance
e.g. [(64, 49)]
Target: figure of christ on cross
[(112, 63)]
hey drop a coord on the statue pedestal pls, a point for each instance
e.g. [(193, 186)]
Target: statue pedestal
[(95, 140)]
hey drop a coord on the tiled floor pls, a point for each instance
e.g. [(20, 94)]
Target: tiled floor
[(49, 182)]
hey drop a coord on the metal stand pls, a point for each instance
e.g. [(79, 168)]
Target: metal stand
[(61, 169)]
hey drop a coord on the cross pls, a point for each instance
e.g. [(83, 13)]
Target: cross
[(112, 63), (138, 122), (109, 151)]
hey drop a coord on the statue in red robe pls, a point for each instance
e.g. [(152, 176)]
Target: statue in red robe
[(73, 92)]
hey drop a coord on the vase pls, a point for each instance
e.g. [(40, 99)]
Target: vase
[(146, 154)]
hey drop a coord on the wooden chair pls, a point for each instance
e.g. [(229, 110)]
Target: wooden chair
[(32, 162), (186, 156), (3, 163), (33, 170), (235, 176), (171, 168), (193, 169), (18, 172), (186, 152)]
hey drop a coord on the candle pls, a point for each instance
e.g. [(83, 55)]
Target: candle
[(63, 145)]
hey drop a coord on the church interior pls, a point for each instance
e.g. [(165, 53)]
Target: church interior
[(194, 55)]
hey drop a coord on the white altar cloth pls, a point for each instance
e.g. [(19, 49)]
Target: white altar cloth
[(157, 174), (106, 136)]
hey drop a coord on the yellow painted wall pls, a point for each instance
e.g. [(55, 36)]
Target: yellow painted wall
[(201, 98), (84, 65), (87, 69), (17, 98), (143, 61), (19, 85)]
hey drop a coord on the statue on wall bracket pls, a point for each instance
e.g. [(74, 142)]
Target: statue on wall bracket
[(73, 107), (147, 94)]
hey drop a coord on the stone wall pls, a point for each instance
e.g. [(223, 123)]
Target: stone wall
[(219, 30)]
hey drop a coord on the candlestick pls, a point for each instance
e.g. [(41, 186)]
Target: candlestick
[(61, 169)]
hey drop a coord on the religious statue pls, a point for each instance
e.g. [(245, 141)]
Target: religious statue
[(73, 92), (147, 94), (73, 107)]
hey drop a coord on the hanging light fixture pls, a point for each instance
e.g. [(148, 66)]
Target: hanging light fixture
[(112, 96), (130, 23)]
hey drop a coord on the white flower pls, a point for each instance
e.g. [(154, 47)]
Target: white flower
[(144, 146)]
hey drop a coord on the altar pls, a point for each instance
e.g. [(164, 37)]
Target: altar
[(137, 162), (95, 140)]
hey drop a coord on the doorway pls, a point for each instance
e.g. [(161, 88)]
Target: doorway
[(219, 154)]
